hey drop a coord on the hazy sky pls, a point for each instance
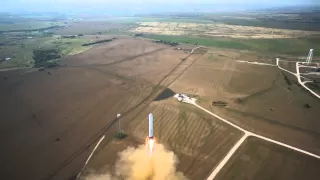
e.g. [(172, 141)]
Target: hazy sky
[(287, 2), (51, 5)]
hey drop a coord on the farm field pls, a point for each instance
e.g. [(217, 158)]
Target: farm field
[(190, 135), (35, 98), (219, 30), (315, 86), (21, 49), (63, 110), (257, 159), (259, 98), (53, 116), (27, 25), (274, 47), (87, 27), (218, 75), (290, 66)]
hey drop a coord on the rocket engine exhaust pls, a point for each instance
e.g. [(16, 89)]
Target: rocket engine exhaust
[(135, 164), (150, 140)]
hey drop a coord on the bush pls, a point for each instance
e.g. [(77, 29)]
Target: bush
[(307, 106), (70, 37), (138, 34), (121, 135), (166, 42), (42, 57), (98, 42), (51, 64), (239, 100), (219, 103)]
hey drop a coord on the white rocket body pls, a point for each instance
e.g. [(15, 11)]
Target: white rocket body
[(150, 125)]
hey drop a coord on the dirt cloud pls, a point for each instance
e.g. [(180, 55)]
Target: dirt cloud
[(136, 164)]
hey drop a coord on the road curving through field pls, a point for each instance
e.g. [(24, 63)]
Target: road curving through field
[(243, 138), (297, 75)]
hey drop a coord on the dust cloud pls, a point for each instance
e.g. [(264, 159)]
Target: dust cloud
[(136, 164)]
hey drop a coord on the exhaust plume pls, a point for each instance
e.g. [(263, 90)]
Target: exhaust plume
[(136, 164)]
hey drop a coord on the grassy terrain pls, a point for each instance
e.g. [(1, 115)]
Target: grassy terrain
[(28, 25), (269, 24), (258, 159), (273, 46), (221, 43), (231, 19), (22, 55), (159, 19)]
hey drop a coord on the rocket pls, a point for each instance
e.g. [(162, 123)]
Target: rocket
[(150, 140), (150, 126)]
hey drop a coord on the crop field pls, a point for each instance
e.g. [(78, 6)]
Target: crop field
[(21, 50), (314, 86), (112, 65), (55, 114), (87, 28), (257, 159), (62, 111), (260, 98), (147, 57), (27, 25), (116, 50), (290, 66), (218, 76), (189, 135), (272, 47), (219, 30)]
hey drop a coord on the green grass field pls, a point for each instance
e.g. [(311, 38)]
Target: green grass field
[(28, 25), (23, 55), (270, 46), (221, 43), (163, 19)]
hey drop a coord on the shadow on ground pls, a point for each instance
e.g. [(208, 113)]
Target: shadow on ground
[(167, 93)]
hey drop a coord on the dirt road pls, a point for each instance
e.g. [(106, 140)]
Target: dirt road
[(238, 144)]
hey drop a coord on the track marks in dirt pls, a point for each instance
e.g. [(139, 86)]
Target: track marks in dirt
[(182, 131), (119, 61), (264, 91)]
